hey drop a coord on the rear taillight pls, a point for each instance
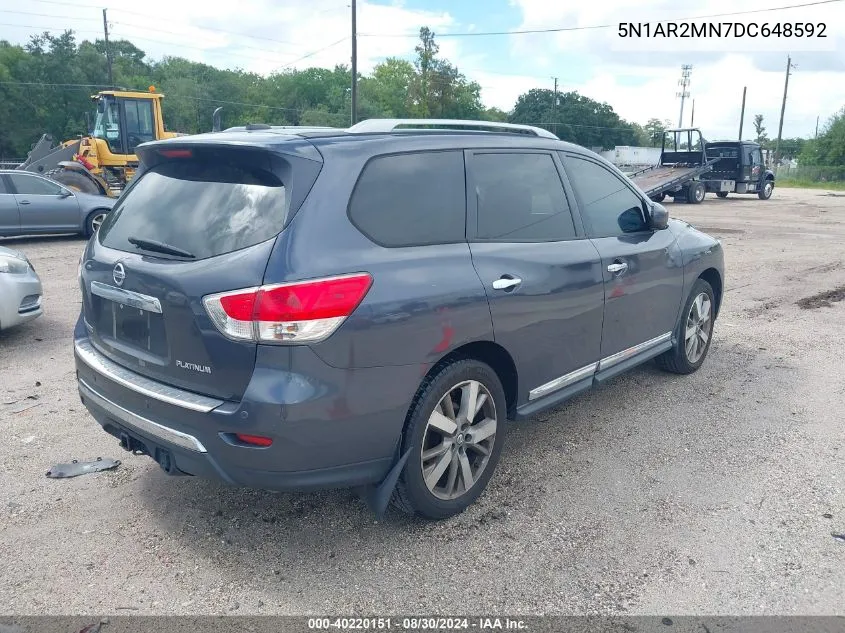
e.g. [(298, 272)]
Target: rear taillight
[(298, 312)]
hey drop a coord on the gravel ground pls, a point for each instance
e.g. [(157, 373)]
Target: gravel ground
[(712, 493)]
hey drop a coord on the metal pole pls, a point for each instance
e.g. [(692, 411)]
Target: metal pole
[(354, 64), (782, 110), (683, 82), (817, 128), (108, 51), (742, 112), (554, 108), (692, 118)]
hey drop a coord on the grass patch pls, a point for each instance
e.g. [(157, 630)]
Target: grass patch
[(809, 184)]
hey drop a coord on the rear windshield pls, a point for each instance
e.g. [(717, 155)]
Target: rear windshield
[(200, 207), (723, 152)]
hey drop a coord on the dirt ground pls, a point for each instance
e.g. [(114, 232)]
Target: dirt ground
[(716, 493)]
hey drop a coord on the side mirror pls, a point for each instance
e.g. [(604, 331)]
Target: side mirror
[(658, 216), (65, 194)]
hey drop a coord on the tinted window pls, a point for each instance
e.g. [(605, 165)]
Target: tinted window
[(204, 207), (722, 152), (411, 199), (34, 186), (520, 199), (607, 204), (139, 122)]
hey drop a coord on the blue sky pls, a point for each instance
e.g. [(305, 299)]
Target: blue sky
[(637, 77)]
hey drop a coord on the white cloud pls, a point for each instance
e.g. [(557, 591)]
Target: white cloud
[(279, 32), (717, 77), (275, 33)]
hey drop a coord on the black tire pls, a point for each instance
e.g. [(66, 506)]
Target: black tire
[(768, 187), (721, 194), (412, 494), (696, 193), (93, 221), (660, 197), (677, 360), (74, 180)]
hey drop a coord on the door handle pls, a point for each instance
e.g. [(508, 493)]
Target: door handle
[(23, 201), (617, 268), (506, 283)]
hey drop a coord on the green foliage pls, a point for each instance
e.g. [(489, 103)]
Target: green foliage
[(829, 147), (760, 130), (653, 131), (575, 118), (31, 106)]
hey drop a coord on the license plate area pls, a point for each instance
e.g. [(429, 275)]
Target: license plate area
[(131, 326)]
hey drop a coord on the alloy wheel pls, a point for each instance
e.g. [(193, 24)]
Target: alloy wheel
[(699, 327), (458, 440), (97, 220)]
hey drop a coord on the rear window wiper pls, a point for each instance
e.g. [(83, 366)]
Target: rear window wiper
[(159, 247)]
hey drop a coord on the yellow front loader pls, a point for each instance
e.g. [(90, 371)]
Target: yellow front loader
[(104, 161)]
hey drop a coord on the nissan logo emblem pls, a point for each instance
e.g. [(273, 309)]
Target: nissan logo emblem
[(118, 274)]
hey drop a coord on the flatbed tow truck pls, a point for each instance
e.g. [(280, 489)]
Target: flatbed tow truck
[(683, 161)]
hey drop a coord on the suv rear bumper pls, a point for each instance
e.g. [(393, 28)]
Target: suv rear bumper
[(319, 439)]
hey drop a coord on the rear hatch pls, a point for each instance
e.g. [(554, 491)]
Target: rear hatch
[(202, 219), (727, 165)]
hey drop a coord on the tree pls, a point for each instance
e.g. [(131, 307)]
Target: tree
[(577, 118), (759, 129), (829, 148), (654, 131)]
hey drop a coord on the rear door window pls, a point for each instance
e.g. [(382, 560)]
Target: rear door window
[(34, 186), (520, 198), (205, 207), (411, 199)]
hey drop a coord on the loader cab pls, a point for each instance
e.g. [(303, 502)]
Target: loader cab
[(124, 120)]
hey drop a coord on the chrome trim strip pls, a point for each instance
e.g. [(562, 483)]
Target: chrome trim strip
[(139, 423), (625, 354), (584, 372), (141, 384), (126, 297), (562, 381)]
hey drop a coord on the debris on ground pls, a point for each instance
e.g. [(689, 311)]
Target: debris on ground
[(824, 299), (841, 537), (82, 468), (96, 627)]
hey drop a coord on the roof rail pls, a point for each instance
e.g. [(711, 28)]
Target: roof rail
[(390, 125)]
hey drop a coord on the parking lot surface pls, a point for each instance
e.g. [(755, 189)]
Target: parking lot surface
[(719, 492)]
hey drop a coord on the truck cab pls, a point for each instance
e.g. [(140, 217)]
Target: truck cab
[(738, 168)]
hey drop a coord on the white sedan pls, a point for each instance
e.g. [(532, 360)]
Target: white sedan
[(20, 289)]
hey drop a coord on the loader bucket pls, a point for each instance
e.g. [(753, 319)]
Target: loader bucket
[(44, 157)]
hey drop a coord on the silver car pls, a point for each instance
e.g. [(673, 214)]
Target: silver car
[(20, 289), (32, 204)]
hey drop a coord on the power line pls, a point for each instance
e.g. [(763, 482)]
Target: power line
[(602, 26), (49, 28), (206, 28), (312, 53)]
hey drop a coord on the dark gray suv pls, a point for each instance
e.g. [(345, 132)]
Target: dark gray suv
[(366, 308)]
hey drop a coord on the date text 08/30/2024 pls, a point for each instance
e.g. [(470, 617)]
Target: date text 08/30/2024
[(415, 624)]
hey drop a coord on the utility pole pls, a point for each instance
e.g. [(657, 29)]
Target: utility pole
[(683, 82), (817, 128), (108, 50), (692, 119), (742, 112), (354, 64), (554, 108), (789, 66)]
